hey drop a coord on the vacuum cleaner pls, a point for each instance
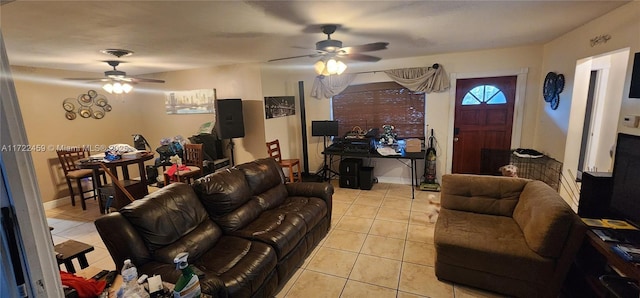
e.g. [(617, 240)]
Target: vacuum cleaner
[(430, 183)]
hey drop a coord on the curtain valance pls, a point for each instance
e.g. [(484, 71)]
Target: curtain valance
[(416, 79)]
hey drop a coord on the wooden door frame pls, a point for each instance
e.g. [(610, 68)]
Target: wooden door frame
[(518, 108)]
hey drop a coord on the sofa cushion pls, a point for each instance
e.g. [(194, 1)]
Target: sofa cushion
[(311, 210), (278, 228), (222, 192), (544, 217), (487, 243), (240, 217), (272, 197), (481, 194), (234, 267), (262, 174), (242, 265), (172, 214)]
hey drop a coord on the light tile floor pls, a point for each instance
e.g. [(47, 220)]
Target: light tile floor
[(380, 245)]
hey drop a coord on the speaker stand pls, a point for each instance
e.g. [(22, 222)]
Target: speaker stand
[(231, 147), (326, 172)]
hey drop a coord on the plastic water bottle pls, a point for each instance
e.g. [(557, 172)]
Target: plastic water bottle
[(130, 287)]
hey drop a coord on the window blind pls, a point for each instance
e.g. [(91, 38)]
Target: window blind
[(373, 105)]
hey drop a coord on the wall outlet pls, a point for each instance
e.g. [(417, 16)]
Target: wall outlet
[(631, 121)]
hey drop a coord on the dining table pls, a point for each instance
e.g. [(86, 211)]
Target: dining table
[(123, 188)]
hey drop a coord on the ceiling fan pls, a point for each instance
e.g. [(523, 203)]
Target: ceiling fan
[(117, 81), (331, 49), (117, 75)]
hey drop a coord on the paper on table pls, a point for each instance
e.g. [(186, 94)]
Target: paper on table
[(385, 151)]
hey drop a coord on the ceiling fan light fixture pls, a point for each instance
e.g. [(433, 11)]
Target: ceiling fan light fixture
[(341, 67), (108, 87), (117, 87), (332, 66), (127, 88), (319, 67)]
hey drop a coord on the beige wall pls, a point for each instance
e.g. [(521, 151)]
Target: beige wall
[(561, 56), (555, 129), (40, 94), (438, 105), (234, 81), (42, 91)]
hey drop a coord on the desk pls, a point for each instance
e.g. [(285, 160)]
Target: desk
[(412, 156), (137, 188)]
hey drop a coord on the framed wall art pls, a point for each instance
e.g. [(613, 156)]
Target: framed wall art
[(279, 106), (200, 101)]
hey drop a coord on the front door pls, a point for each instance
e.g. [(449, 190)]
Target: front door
[(483, 121)]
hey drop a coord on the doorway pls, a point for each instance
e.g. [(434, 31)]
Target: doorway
[(596, 101), (483, 120)]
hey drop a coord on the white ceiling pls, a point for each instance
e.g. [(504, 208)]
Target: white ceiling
[(174, 35)]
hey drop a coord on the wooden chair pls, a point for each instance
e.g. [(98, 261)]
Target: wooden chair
[(193, 158), (273, 148), (68, 160)]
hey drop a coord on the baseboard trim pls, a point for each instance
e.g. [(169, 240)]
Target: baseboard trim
[(57, 203)]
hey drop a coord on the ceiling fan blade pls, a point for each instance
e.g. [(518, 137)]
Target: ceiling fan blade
[(361, 57), (376, 46), (88, 79), (144, 80), (294, 57)]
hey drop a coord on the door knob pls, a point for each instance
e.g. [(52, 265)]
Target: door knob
[(455, 139)]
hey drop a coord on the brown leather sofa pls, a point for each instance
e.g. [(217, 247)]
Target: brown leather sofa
[(508, 235), (243, 228)]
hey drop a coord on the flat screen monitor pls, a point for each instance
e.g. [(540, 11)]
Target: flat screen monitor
[(625, 197), (634, 89), (324, 128)]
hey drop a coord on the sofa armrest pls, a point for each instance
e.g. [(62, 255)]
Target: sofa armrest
[(323, 191), (311, 189), (122, 240)]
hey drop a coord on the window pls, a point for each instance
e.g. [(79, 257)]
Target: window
[(484, 94), (373, 105)]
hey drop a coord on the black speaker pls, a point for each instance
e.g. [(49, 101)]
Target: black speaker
[(229, 121), (634, 90), (365, 176), (595, 195), (349, 169)]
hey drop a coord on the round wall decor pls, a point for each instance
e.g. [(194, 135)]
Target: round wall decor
[(552, 86), (87, 105)]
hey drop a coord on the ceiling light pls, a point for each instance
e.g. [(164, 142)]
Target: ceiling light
[(117, 87), (330, 67)]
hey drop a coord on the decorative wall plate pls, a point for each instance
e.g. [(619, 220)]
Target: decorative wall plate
[(70, 115), (69, 104), (549, 88), (101, 100), (560, 83), (85, 112), (85, 100), (98, 114)]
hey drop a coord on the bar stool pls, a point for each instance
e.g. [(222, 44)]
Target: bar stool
[(68, 159)]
